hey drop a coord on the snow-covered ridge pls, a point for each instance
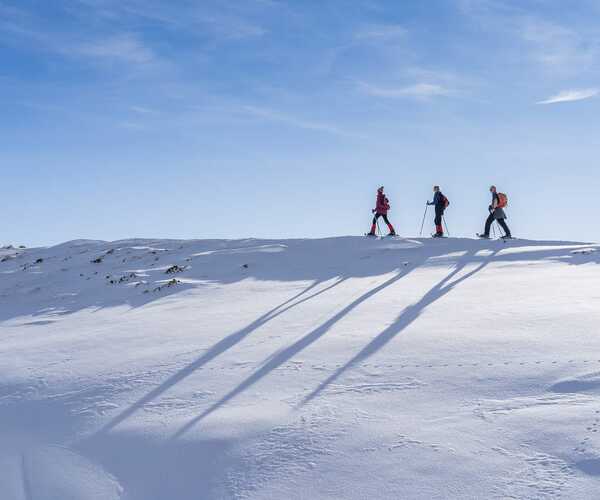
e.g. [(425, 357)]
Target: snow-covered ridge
[(73, 276), (332, 368)]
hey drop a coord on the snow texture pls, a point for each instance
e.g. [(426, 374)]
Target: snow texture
[(338, 368)]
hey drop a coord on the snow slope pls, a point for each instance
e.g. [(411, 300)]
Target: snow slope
[(302, 369)]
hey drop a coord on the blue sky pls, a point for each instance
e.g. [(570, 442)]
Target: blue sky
[(274, 118)]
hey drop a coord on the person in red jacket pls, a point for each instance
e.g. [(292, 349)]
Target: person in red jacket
[(381, 209)]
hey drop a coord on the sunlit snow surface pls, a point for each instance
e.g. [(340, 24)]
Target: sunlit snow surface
[(341, 368)]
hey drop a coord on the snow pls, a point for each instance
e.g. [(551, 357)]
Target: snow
[(265, 369)]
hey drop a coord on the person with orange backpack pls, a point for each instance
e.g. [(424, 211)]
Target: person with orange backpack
[(499, 203), (440, 203), (382, 206)]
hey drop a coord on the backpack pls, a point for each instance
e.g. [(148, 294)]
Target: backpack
[(445, 201), (502, 200)]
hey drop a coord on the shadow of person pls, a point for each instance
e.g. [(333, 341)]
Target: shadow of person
[(405, 319), (216, 350), (289, 352)]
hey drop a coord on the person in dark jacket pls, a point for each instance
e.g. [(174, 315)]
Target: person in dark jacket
[(496, 213), (381, 209), (440, 202)]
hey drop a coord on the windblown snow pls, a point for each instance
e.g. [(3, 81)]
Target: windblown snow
[(341, 368)]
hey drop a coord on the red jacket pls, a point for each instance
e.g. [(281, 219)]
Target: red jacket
[(383, 204)]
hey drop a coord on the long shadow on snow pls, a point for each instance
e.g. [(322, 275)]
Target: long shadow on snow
[(217, 349), (406, 318), (389, 262), (281, 357), (411, 313)]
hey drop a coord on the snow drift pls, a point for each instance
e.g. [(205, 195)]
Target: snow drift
[(334, 368)]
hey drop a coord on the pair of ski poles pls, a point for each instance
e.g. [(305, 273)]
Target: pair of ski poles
[(425, 215)]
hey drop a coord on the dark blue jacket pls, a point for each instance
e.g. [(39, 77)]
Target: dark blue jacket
[(437, 200)]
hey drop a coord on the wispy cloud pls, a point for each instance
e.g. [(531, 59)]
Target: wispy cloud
[(416, 91), (17, 23), (27, 30), (556, 46), (118, 32), (220, 22), (127, 48), (571, 95), (141, 110), (380, 32), (232, 28), (127, 125), (276, 116)]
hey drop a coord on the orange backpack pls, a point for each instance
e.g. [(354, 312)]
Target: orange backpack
[(502, 200)]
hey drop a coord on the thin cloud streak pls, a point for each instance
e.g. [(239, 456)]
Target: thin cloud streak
[(271, 115), (381, 32), (142, 110), (556, 46), (127, 48), (553, 45), (417, 91), (191, 18), (571, 96)]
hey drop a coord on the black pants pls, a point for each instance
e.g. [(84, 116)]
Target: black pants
[(385, 219), (502, 222), (439, 214)]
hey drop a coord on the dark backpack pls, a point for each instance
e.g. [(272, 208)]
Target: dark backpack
[(445, 201)]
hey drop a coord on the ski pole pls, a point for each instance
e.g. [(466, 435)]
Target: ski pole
[(424, 215), (494, 229), (500, 229), (378, 228), (444, 219)]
